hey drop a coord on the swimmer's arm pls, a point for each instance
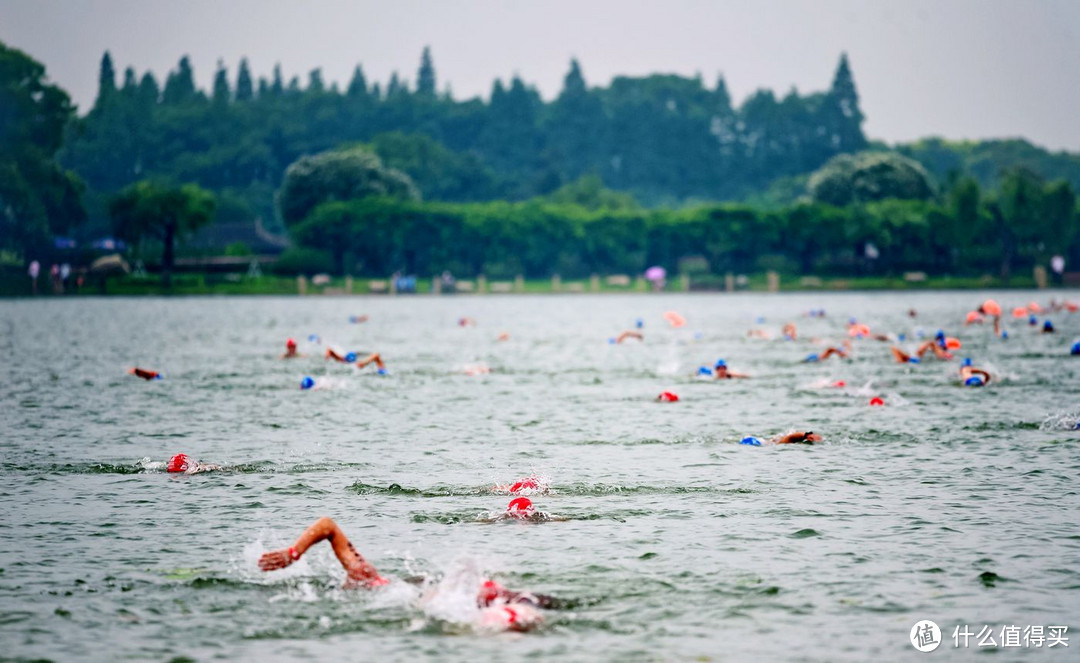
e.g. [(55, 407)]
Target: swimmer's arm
[(733, 374), (324, 528), (979, 371), (202, 467), (799, 437)]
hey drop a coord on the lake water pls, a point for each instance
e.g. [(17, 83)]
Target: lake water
[(953, 504)]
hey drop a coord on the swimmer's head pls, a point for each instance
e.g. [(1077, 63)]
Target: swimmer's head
[(751, 441), (530, 483), (350, 357), (1075, 349), (877, 401), (307, 383), (489, 592), (811, 358), (704, 370), (720, 363), (901, 337), (290, 344), (1048, 326), (639, 323), (382, 371), (520, 507), (940, 335), (966, 361), (1033, 321), (914, 360), (974, 381), (178, 463), (314, 338)]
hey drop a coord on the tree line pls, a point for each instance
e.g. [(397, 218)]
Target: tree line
[(887, 222), (664, 138)]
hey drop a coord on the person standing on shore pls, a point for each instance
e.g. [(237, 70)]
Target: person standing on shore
[(34, 270)]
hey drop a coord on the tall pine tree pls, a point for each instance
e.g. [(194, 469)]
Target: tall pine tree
[(106, 80), (358, 84), (244, 91), (843, 118), (180, 85), (425, 77), (221, 86)]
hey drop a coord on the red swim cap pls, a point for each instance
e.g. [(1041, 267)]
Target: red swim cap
[(876, 401), (525, 484), (290, 343), (489, 592), (178, 463), (839, 383), (520, 507), (667, 397)]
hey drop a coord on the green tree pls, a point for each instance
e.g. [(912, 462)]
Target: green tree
[(358, 84), (338, 175), (843, 118), (425, 77), (167, 213), (868, 176), (222, 93), (1017, 212), (180, 84), (37, 197), (244, 90), (106, 80), (439, 173), (149, 92)]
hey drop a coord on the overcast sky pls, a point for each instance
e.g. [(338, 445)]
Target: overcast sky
[(954, 68)]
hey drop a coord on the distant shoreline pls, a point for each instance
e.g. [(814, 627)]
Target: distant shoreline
[(216, 285)]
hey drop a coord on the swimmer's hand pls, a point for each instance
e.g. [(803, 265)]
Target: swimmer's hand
[(275, 559)]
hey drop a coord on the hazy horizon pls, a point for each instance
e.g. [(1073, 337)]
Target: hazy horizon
[(965, 69)]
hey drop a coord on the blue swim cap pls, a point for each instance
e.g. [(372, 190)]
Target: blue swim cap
[(913, 360), (383, 371), (1075, 349), (966, 361), (351, 357), (974, 381), (1032, 320), (939, 335), (307, 383), (852, 321), (1004, 334), (751, 441), (901, 337), (639, 323), (611, 340), (1048, 326), (812, 358), (705, 370), (720, 362), (314, 338), (761, 319)]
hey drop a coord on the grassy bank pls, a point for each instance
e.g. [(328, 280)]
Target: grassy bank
[(205, 284)]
